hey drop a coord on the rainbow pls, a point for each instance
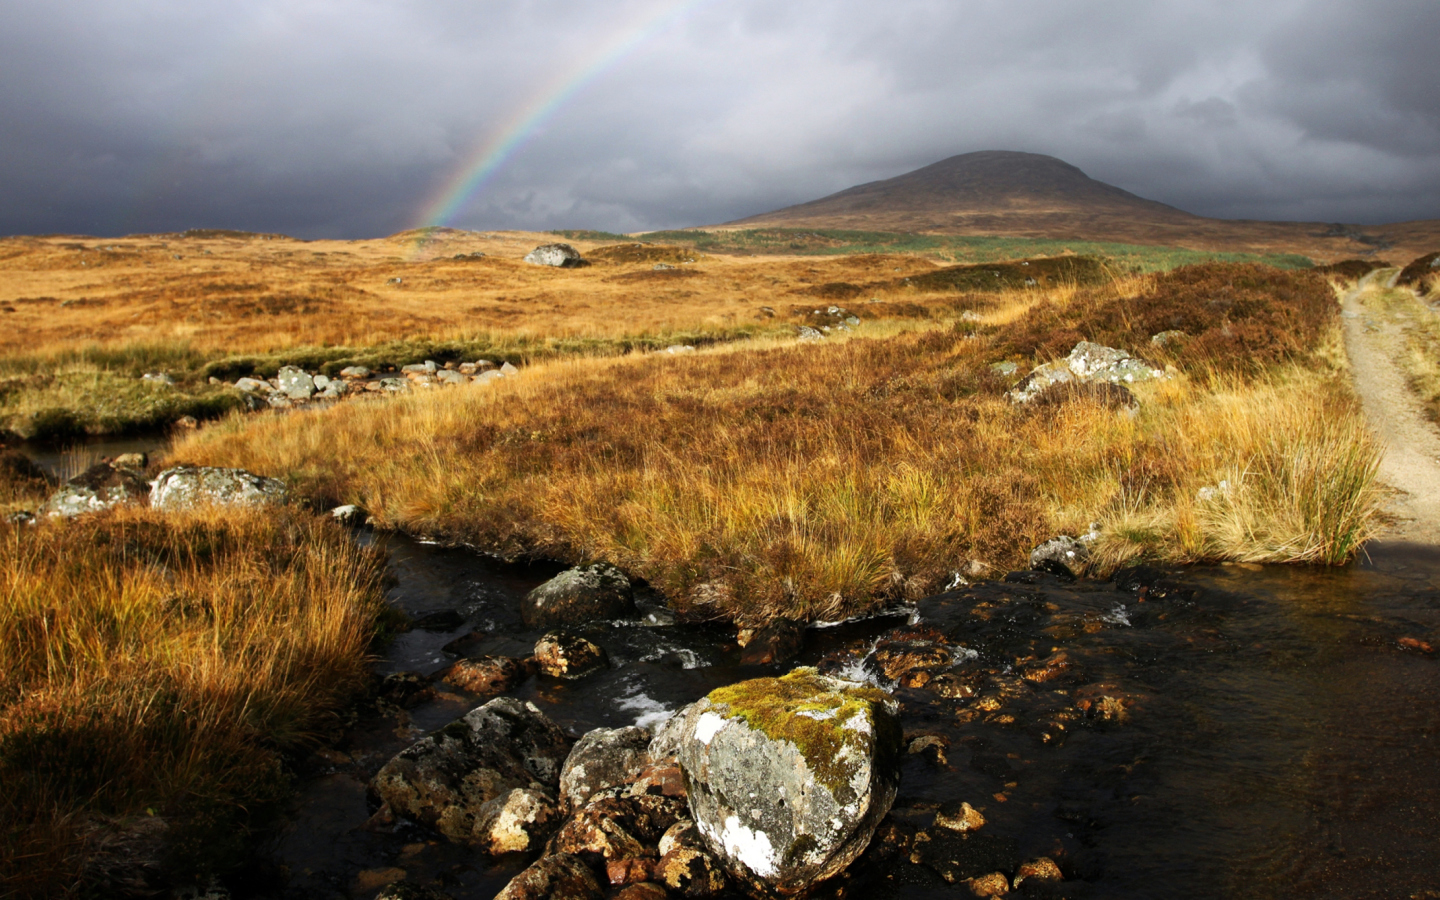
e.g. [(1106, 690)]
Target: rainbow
[(469, 178)]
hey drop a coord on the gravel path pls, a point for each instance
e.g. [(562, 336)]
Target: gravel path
[(1411, 464)]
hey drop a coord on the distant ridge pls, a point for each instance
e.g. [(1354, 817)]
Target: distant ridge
[(1014, 194)]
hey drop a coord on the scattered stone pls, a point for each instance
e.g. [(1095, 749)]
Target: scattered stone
[(486, 676), (806, 333), (349, 514), (395, 385), (560, 654), (616, 825), (517, 821), (184, 486), (965, 857), (355, 373), (185, 423), (322, 382), (158, 378), (1221, 491), (679, 348), (508, 369), (1005, 369), (487, 377), (448, 376), (994, 884), (131, 461), (1040, 869), (644, 891), (1087, 363), (296, 383), (780, 641), (279, 401), (99, 487), (254, 386), (561, 256), (788, 777), (620, 872), (1067, 554), (690, 872), (576, 596), (445, 779), (603, 758), (557, 877), (406, 690), (1168, 338), (959, 817)]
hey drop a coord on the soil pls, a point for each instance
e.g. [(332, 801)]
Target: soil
[(1411, 462)]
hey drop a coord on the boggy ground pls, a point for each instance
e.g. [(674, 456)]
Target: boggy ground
[(815, 480), (86, 318)]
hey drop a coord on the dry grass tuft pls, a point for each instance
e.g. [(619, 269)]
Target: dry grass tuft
[(153, 669)]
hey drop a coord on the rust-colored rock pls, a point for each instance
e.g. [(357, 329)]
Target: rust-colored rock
[(557, 877), (777, 642), (1054, 668), (690, 872), (994, 884), (962, 818), (665, 780), (1040, 869), (617, 827), (647, 891), (621, 872), (487, 676), (560, 654)]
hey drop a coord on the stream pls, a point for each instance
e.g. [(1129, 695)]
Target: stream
[(1275, 735)]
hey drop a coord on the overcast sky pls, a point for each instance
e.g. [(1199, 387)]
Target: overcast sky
[(349, 118)]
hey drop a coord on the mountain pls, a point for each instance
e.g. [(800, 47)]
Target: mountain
[(1007, 193)]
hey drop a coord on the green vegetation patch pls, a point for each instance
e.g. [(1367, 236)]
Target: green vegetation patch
[(75, 402), (806, 710), (646, 253), (1075, 270)]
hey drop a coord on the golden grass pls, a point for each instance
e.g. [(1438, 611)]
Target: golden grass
[(153, 669), (817, 481)]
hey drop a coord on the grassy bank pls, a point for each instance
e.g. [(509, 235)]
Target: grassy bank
[(154, 671), (818, 480)]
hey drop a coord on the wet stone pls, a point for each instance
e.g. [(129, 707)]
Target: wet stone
[(961, 817), (518, 821), (1041, 869), (465, 643), (598, 592), (406, 690), (780, 641), (440, 620), (913, 662), (995, 884), (613, 826), (445, 779), (408, 890), (560, 654), (486, 676), (603, 758), (647, 891), (958, 857), (556, 877)]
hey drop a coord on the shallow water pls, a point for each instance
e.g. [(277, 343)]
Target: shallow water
[(66, 460), (1279, 740)]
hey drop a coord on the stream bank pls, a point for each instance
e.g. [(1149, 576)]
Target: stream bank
[(1234, 730)]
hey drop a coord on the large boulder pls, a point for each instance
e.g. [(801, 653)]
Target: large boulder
[(561, 256), (788, 777), (579, 595), (1088, 363), (459, 780), (603, 758), (185, 486), (99, 487)]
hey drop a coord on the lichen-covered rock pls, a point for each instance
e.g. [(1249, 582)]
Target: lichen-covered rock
[(603, 758), (788, 777), (569, 656), (485, 675), (962, 817), (99, 487), (1087, 363), (690, 872), (1063, 554), (579, 595), (408, 890), (445, 780), (561, 256), (668, 735), (557, 877), (645, 891), (296, 383), (184, 486), (1039, 869), (355, 373), (617, 826), (517, 821)]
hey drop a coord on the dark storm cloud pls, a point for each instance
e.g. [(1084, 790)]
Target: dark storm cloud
[(319, 117)]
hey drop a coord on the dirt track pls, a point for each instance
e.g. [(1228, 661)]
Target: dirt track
[(1411, 464)]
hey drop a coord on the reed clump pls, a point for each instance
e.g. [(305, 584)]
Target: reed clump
[(820, 480), (154, 671)]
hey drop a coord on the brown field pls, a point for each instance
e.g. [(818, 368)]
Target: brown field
[(776, 478), (231, 294)]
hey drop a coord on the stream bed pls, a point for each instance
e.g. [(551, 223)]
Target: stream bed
[(1230, 731)]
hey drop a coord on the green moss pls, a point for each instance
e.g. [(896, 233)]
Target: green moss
[(776, 707)]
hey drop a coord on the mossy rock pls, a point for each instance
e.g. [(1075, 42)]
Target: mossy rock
[(788, 777)]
